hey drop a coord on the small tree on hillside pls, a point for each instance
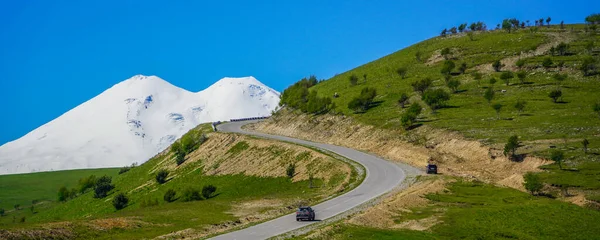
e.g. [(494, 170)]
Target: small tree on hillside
[(492, 81), (585, 144), (63, 194), (520, 105), (402, 72), (547, 63), (462, 27), (562, 25), (120, 201), (562, 48), (558, 156), (180, 158), (462, 68), (444, 32), (532, 183), (2, 212), (453, 30), (521, 75), (506, 77), (555, 95), (435, 98), (445, 53), (208, 190), (291, 170), (596, 108), (506, 25), (471, 36), (497, 107), (548, 21), (497, 65), (520, 63), (422, 85), (410, 116), (169, 195), (588, 66), (418, 56), (161, 176), (489, 94), (510, 148), (103, 186), (353, 79), (447, 67), (403, 99), (453, 84)]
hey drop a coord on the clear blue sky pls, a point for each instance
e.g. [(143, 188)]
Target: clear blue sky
[(54, 55)]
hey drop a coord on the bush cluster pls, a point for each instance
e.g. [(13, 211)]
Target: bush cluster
[(363, 102), (299, 97)]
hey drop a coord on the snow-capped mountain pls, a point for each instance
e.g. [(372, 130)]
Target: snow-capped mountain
[(131, 122)]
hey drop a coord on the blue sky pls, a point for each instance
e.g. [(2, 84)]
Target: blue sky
[(55, 55)]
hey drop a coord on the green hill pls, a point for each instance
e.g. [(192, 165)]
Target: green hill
[(371, 93)]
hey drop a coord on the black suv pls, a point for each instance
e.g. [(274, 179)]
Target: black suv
[(431, 168), (306, 213)]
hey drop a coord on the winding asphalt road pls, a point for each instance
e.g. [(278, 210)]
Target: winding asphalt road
[(381, 177)]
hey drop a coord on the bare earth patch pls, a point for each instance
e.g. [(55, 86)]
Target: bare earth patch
[(454, 154)]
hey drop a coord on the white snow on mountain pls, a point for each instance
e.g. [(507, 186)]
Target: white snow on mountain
[(131, 122)]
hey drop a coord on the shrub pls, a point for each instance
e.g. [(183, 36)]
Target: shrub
[(103, 186), (127, 168), (403, 99), (191, 194), (493, 81), (521, 75), (169, 195), (408, 118), (120, 201), (290, 171), (418, 56), (520, 105), (520, 63), (435, 98), (363, 101), (447, 67), (547, 63), (588, 66), (2, 212), (559, 77), (63, 194), (497, 107), (462, 68), (558, 156), (562, 48), (161, 176), (299, 97), (87, 183), (596, 108), (489, 94), (453, 84), (585, 144), (510, 148), (445, 52), (497, 65), (471, 36), (532, 183), (353, 79), (555, 95), (208, 190), (422, 85), (506, 77), (401, 71), (179, 158)]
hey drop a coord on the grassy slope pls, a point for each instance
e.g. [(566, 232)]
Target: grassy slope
[(543, 122), (24, 188), (480, 211), (168, 217)]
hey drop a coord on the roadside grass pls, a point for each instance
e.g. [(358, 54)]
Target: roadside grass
[(23, 189), (475, 210)]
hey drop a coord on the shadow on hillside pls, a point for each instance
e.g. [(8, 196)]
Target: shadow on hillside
[(526, 114), (414, 126), (374, 104), (461, 91), (519, 157), (449, 107)]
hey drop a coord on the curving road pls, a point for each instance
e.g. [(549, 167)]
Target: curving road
[(381, 177)]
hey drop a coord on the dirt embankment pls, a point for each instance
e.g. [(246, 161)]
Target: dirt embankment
[(454, 154)]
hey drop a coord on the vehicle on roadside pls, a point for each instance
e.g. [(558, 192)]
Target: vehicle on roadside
[(305, 213), (431, 169)]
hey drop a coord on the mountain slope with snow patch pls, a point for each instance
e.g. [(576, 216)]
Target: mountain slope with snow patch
[(131, 122)]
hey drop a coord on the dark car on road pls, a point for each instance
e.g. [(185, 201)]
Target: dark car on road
[(305, 213), (431, 169)]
